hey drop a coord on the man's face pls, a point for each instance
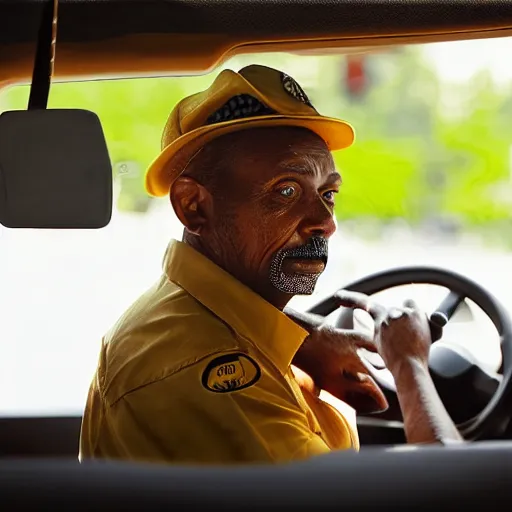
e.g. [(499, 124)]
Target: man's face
[(274, 214)]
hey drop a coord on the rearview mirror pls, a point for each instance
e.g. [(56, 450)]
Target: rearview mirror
[(55, 170)]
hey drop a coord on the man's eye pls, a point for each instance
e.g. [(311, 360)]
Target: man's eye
[(329, 196), (287, 191)]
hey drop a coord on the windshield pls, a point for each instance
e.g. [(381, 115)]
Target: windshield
[(427, 182)]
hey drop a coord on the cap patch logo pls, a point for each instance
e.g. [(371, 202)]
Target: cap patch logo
[(240, 107), (294, 89), (230, 372)]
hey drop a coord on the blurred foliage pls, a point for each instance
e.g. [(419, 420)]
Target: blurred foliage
[(424, 149)]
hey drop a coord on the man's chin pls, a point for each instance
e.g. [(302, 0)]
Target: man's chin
[(296, 284)]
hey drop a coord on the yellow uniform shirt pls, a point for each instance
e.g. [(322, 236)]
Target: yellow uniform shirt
[(198, 370)]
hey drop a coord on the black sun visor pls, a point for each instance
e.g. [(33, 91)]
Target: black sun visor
[(55, 170)]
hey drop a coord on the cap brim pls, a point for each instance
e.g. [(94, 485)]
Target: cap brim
[(172, 161)]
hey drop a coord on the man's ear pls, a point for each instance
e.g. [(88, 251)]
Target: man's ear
[(192, 203)]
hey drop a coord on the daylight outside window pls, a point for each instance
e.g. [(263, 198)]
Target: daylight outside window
[(429, 181)]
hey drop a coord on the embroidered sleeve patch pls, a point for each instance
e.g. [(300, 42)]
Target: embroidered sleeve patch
[(230, 372)]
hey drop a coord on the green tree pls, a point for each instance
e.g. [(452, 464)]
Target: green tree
[(386, 171), (413, 156), (132, 113), (476, 145)]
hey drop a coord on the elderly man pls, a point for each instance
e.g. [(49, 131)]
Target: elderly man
[(207, 366)]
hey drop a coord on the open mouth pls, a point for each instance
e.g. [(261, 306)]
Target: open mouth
[(309, 259), (314, 264)]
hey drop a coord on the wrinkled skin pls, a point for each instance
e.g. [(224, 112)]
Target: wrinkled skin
[(337, 368), (273, 192), (276, 191), (401, 334)]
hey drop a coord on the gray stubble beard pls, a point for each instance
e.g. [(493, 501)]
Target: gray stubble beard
[(297, 284)]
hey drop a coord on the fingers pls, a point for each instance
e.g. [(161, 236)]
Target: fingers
[(379, 313), (358, 389), (355, 368), (357, 300), (307, 321), (410, 304), (354, 300), (409, 307), (395, 313)]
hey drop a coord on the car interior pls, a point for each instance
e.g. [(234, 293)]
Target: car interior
[(57, 175)]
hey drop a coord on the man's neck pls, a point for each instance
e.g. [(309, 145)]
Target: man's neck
[(278, 299)]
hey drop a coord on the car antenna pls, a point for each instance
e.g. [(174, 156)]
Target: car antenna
[(45, 57)]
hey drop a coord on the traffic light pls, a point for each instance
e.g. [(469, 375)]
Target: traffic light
[(356, 80)]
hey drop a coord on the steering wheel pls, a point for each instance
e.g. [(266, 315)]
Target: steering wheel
[(495, 415)]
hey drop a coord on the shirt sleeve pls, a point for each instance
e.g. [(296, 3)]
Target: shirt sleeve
[(188, 417)]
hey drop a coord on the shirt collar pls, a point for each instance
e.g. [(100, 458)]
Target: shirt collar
[(246, 312)]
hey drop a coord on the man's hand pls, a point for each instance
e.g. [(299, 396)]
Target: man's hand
[(402, 335), (329, 356), (402, 338)]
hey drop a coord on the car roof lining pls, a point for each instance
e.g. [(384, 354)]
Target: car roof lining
[(130, 38)]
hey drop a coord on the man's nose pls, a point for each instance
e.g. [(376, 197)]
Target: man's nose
[(319, 222)]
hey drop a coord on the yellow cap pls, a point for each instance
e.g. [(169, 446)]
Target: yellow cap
[(255, 97)]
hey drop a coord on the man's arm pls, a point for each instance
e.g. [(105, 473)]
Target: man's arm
[(178, 419), (425, 417), (329, 356), (402, 338)]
